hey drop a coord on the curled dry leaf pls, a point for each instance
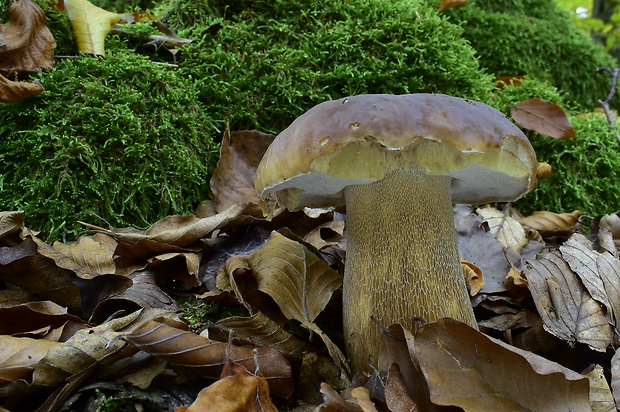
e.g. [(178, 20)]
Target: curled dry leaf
[(11, 92), (91, 25), (397, 396), (499, 377), (565, 306), (32, 317), (550, 224), (27, 43), (11, 222), (473, 277), (233, 178), (259, 330), (207, 358), (544, 117)]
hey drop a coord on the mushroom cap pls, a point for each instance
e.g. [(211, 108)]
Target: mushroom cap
[(359, 139)]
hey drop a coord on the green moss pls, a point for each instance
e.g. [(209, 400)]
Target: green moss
[(538, 39), (120, 137), (510, 94), (266, 62), (586, 170)]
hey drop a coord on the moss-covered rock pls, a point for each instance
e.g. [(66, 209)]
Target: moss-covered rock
[(538, 39)]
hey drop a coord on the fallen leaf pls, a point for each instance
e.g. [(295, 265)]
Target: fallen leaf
[(397, 397), (333, 402), (91, 25), (234, 394), (544, 117), (18, 359), (446, 4), (567, 309), (207, 358), (601, 398), (259, 330), (11, 92), (504, 228), (499, 377), (233, 178), (11, 222), (27, 43), (550, 224), (473, 277), (599, 273), (615, 376)]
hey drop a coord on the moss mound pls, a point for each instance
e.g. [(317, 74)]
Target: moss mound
[(133, 141), (585, 170), (538, 39), (120, 137), (264, 63)]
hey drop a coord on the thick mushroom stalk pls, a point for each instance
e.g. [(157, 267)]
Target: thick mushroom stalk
[(402, 260)]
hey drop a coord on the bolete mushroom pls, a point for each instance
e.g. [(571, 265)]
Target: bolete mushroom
[(398, 163)]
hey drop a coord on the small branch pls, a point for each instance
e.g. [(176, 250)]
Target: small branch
[(605, 103)]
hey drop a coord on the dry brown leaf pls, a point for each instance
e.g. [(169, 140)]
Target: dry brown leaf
[(599, 273), (22, 265), (32, 316), (234, 394), (91, 25), (316, 368), (86, 348), (11, 222), (473, 277), (233, 178), (362, 396), (87, 257), (567, 309), (333, 402), (144, 292), (446, 4), (479, 247), (259, 330), (615, 376), (550, 224), (11, 92), (504, 228), (611, 223), (207, 358), (601, 398), (298, 281), (544, 117), (18, 358), (468, 369), (397, 396), (27, 43)]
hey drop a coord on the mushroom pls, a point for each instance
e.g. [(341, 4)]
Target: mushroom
[(398, 163)]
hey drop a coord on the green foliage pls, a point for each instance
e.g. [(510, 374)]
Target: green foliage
[(585, 170), (535, 38), (510, 94), (120, 137), (265, 62)]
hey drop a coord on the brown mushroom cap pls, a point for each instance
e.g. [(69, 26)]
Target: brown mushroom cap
[(359, 139)]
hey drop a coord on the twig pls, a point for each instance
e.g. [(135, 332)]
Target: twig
[(605, 103)]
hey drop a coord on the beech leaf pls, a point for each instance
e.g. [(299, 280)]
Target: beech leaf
[(565, 306), (544, 117), (91, 25), (552, 224), (11, 92), (499, 377), (446, 4), (27, 43), (504, 228)]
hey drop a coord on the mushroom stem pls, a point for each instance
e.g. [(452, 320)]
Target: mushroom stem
[(402, 260)]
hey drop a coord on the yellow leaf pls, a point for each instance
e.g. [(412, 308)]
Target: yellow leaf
[(91, 25)]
